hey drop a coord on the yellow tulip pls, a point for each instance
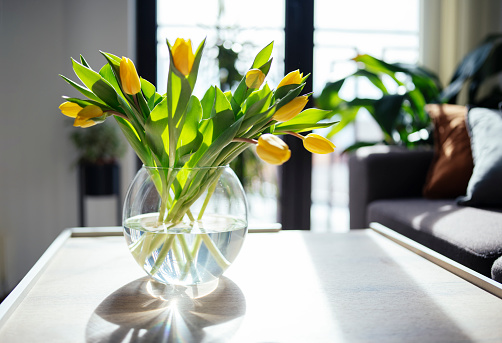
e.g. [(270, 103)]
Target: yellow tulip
[(129, 77), (84, 117), (254, 78), (70, 109), (291, 109), (183, 56), (272, 149), (318, 144), (293, 78)]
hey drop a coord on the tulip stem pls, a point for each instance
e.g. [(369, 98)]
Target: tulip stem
[(135, 97), (245, 140), (118, 114), (295, 134)]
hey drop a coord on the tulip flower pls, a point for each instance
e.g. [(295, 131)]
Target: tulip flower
[(318, 144), (293, 78), (129, 77), (254, 78), (272, 149), (291, 109), (70, 109), (84, 117), (183, 56)]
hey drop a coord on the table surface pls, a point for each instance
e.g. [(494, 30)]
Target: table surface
[(283, 287)]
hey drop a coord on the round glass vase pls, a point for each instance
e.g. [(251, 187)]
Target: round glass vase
[(185, 226)]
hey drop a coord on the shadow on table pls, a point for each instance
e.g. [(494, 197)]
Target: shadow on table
[(145, 311), (372, 299)]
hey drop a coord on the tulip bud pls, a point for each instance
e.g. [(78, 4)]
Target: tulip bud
[(272, 149), (293, 78), (291, 109), (254, 78), (70, 109), (318, 144), (183, 57), (84, 117), (129, 77)]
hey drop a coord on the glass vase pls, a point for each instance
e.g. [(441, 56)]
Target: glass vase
[(185, 226)]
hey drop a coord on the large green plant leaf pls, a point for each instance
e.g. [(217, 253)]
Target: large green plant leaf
[(478, 65), (329, 97), (386, 111)]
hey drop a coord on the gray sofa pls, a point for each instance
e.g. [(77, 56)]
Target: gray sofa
[(385, 186)]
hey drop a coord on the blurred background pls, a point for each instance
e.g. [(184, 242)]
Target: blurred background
[(40, 187)]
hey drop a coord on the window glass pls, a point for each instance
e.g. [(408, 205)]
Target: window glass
[(386, 29)]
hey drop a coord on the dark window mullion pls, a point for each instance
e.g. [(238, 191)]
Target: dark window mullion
[(296, 176), (146, 42)]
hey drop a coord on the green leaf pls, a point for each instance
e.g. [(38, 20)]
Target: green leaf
[(221, 114), (329, 98), (281, 92), (192, 78), (107, 73), (86, 92), (348, 115), (135, 141), (257, 96), (149, 91), (84, 62), (147, 88), (263, 56), (206, 156), (387, 110), (83, 103), (207, 102), (100, 87), (266, 67), (157, 132), (190, 138), (373, 78), (358, 145), (293, 93), (306, 121)]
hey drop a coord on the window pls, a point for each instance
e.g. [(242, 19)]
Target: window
[(387, 29)]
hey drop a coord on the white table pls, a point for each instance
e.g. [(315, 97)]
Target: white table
[(284, 287)]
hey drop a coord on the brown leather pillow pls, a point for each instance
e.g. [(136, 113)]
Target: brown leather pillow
[(452, 164)]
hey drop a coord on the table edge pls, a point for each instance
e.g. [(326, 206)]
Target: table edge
[(477, 279)]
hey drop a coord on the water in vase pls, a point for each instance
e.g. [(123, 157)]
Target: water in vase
[(188, 253)]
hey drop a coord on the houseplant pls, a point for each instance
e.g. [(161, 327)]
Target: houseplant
[(480, 69), (99, 148), (185, 144), (399, 111)]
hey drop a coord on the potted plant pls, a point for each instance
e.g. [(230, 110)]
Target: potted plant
[(399, 112), (99, 149)]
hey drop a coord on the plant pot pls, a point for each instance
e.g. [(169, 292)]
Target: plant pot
[(100, 179), (185, 227)]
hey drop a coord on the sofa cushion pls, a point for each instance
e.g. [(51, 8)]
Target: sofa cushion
[(485, 187), (497, 270), (468, 235), (452, 165)]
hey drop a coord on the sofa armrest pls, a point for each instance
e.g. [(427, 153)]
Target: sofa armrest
[(384, 172)]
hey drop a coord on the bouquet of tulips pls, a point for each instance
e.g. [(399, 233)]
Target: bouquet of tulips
[(178, 130)]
